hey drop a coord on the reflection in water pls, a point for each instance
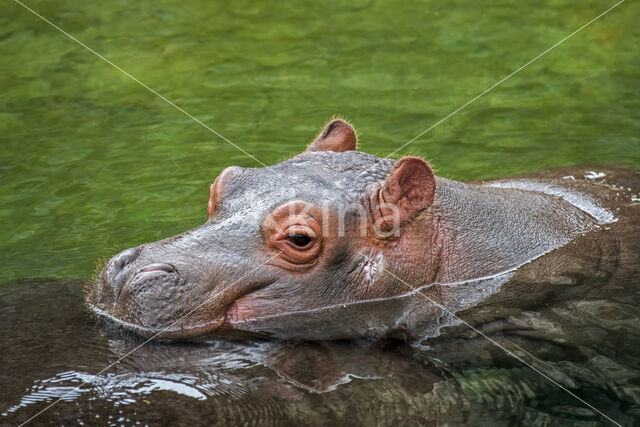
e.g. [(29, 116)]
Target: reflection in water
[(457, 377)]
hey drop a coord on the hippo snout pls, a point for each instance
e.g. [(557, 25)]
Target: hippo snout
[(130, 273), (168, 290)]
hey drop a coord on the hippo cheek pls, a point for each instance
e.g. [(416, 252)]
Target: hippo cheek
[(239, 312), (249, 312)]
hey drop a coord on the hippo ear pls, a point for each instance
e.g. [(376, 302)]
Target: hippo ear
[(408, 190), (337, 136)]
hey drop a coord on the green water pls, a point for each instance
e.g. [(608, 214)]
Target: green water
[(92, 163)]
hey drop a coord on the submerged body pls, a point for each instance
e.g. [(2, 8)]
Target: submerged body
[(336, 243)]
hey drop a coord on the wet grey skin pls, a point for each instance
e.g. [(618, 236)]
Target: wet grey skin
[(507, 242)]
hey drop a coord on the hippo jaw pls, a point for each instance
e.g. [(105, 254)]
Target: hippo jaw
[(204, 320), (166, 333)]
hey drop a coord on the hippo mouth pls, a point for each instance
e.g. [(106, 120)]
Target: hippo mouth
[(169, 332), (156, 303), (220, 331)]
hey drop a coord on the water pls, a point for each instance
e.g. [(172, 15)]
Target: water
[(91, 163), (56, 351)]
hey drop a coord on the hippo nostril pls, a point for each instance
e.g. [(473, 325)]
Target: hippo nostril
[(158, 267), (124, 258), (116, 272)]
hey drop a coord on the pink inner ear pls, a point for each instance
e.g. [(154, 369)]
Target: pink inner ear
[(411, 185), (336, 136)]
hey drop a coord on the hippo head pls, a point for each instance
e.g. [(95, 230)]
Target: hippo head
[(308, 248)]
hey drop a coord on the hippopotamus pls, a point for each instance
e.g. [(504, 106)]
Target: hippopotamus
[(335, 243)]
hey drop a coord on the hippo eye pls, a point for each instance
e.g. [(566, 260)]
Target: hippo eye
[(293, 233), (300, 240)]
